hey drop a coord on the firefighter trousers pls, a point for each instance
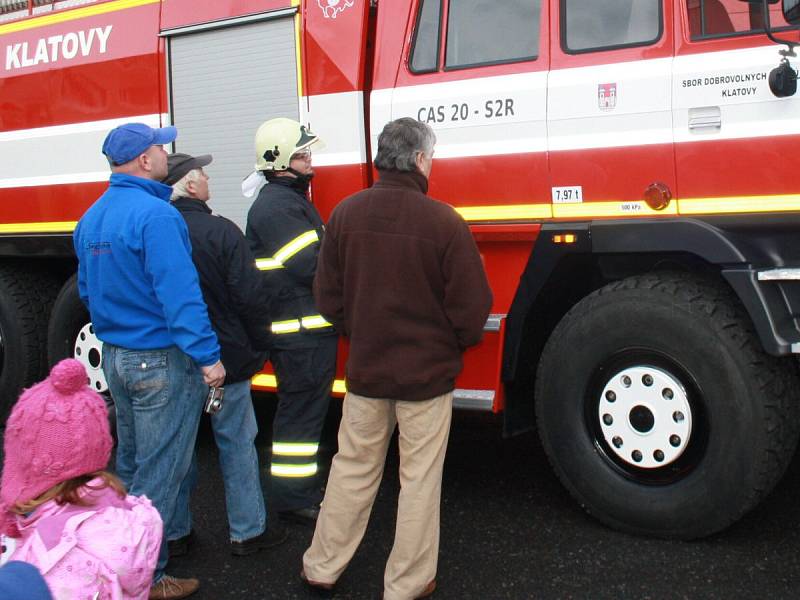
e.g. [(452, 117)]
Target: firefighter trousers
[(305, 377)]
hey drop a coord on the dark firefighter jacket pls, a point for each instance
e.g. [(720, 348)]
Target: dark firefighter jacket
[(232, 288), (284, 231)]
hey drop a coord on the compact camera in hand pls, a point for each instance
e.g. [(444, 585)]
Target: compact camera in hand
[(214, 400)]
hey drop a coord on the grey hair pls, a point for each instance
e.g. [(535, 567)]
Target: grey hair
[(399, 143), (179, 187)]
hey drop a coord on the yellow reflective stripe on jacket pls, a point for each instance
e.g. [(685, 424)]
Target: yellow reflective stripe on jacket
[(294, 325), (288, 251), (294, 449), (267, 264), (301, 241), (314, 322), (280, 470), (290, 326)]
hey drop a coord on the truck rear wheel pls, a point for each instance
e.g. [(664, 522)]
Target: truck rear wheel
[(25, 300), (659, 410), (71, 335)]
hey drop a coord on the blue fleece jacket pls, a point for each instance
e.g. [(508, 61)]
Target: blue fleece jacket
[(22, 581), (136, 275)]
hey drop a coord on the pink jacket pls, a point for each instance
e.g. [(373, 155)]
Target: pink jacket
[(105, 551)]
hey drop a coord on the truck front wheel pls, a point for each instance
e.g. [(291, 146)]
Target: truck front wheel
[(659, 410)]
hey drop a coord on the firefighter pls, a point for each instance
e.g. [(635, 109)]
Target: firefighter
[(284, 231)]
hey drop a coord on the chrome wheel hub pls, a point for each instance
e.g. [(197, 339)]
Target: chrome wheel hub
[(645, 417), (89, 351)]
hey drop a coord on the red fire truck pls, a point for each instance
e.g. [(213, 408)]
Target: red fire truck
[(626, 166)]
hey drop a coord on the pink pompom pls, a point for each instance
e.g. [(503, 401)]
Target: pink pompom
[(69, 376)]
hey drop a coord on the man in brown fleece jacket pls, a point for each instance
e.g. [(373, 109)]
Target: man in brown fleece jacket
[(400, 275)]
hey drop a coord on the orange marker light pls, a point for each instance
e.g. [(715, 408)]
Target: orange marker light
[(565, 238)]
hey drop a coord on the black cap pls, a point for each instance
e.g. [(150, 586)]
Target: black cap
[(180, 164)]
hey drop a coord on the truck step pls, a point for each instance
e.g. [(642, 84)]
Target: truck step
[(782, 274)]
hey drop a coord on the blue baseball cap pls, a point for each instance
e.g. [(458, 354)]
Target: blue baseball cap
[(126, 142)]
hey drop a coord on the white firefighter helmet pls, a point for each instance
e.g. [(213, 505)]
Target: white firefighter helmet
[(278, 139)]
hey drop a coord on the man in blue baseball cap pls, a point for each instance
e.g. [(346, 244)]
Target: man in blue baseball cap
[(136, 276), (127, 142)]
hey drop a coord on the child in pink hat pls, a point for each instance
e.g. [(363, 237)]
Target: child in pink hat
[(59, 510)]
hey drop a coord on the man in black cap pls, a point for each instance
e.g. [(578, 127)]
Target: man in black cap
[(239, 311)]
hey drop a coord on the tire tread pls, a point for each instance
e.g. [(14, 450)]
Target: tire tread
[(31, 292)]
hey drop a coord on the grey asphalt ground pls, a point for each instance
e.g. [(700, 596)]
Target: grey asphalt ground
[(509, 530)]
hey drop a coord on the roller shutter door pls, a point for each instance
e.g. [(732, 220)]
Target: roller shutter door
[(224, 84)]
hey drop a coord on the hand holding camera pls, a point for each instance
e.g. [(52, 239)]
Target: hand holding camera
[(214, 375)]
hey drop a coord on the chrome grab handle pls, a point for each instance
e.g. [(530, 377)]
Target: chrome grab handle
[(705, 119)]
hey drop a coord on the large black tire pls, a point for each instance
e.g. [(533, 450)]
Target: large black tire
[(70, 335), (25, 301), (666, 365)]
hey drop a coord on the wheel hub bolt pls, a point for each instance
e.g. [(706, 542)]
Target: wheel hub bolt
[(658, 455), (647, 380), (617, 441), (626, 381), (675, 440), (611, 396), (636, 456), (677, 416), (668, 394), (608, 419)]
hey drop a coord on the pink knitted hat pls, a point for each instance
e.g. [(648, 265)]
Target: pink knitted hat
[(57, 430)]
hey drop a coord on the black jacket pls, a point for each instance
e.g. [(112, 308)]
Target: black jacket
[(232, 288), (284, 231)]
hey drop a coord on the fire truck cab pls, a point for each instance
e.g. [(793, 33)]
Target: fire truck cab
[(627, 168)]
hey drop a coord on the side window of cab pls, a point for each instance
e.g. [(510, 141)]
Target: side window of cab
[(475, 32), (709, 19), (592, 25)]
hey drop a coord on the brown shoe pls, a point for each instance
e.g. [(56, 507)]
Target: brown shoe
[(318, 588), (172, 588), (429, 589)]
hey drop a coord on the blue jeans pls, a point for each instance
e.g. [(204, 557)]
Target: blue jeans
[(158, 397), (235, 431)]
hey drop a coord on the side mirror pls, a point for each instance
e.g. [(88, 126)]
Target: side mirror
[(791, 11), (783, 80)]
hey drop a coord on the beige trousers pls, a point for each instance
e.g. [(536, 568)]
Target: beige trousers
[(364, 434)]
